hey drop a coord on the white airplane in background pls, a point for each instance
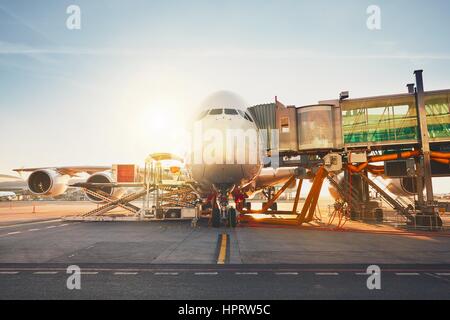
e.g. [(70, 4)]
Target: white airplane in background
[(221, 111), (6, 195)]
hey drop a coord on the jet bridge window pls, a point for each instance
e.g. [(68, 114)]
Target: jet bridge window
[(230, 111), (215, 111)]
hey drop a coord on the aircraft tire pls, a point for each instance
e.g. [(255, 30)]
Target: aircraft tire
[(232, 217), (216, 218)]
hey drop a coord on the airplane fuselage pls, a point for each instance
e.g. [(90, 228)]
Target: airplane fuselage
[(226, 151)]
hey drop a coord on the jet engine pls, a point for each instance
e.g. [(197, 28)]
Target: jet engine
[(103, 177), (47, 182)]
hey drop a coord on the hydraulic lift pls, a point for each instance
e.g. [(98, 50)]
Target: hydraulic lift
[(306, 215), (162, 197)]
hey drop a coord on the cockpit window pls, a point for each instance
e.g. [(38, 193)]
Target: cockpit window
[(230, 111), (216, 111), (202, 115)]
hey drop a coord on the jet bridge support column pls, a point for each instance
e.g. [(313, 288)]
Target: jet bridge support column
[(424, 139), (428, 216), (355, 185)]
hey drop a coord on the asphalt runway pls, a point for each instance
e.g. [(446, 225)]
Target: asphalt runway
[(172, 260)]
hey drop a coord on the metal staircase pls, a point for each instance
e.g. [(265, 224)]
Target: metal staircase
[(349, 197), (399, 207)]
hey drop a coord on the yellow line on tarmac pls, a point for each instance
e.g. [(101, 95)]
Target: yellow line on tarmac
[(223, 249)]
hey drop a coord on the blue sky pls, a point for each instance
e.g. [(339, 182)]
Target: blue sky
[(90, 96)]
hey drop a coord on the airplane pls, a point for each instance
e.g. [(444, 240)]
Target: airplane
[(6, 195), (11, 186)]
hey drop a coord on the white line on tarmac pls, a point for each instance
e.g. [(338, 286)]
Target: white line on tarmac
[(205, 273), (31, 230), (286, 273), (124, 273), (50, 227), (45, 272), (437, 277), (166, 273), (15, 232), (246, 273), (442, 273), (406, 273), (28, 223), (362, 273), (327, 273), (88, 272), (9, 272)]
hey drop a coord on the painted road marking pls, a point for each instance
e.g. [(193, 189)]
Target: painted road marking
[(50, 227), (28, 223), (88, 272), (166, 273), (407, 273), (31, 230), (286, 273), (246, 273), (362, 273), (124, 273), (327, 273), (205, 273), (9, 272), (15, 232), (442, 273), (45, 272), (223, 238)]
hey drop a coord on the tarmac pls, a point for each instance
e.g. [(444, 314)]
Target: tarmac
[(173, 260)]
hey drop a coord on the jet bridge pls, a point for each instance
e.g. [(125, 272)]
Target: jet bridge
[(377, 135)]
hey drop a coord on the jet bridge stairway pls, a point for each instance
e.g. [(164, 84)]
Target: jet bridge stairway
[(403, 210), (350, 197)]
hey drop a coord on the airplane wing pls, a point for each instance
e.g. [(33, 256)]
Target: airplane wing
[(71, 171)]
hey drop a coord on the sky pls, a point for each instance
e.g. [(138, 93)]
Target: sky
[(105, 93)]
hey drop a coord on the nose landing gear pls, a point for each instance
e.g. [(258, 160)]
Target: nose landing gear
[(226, 216)]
